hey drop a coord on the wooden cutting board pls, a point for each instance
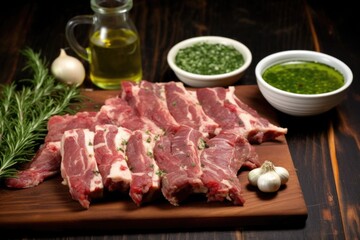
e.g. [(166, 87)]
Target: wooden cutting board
[(49, 207)]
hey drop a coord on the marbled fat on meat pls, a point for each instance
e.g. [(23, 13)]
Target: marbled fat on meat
[(178, 158), (185, 108), (258, 129), (109, 146), (117, 111), (144, 170), (221, 160), (222, 105), (78, 166), (58, 124), (149, 100)]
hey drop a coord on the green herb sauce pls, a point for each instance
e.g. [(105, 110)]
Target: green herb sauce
[(209, 59), (304, 77)]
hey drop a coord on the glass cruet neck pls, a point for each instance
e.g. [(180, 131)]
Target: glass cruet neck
[(111, 6)]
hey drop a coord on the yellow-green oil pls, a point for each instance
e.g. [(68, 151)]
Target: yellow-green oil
[(304, 77), (114, 56)]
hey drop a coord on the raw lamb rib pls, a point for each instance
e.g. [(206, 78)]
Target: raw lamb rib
[(145, 172), (185, 108), (178, 157), (149, 100), (45, 163), (109, 147), (222, 105), (58, 124), (221, 160), (118, 112), (78, 166)]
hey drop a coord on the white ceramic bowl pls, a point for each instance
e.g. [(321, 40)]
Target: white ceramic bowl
[(302, 104), (197, 80)]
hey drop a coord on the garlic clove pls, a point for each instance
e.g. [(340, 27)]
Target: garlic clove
[(283, 173), (254, 175), (68, 69), (269, 182)]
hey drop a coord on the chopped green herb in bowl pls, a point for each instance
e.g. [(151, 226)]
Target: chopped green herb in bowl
[(209, 58), (209, 61)]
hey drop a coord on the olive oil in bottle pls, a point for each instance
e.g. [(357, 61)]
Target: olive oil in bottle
[(114, 46), (114, 58)]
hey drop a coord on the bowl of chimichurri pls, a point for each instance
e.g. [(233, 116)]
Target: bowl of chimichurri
[(209, 61), (302, 82)]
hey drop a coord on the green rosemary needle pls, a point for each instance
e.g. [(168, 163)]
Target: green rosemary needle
[(25, 109)]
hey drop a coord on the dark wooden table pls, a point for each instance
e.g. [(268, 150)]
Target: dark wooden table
[(324, 149)]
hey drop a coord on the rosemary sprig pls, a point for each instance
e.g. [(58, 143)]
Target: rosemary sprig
[(25, 109)]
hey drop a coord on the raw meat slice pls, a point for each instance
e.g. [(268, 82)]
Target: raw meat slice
[(78, 166), (144, 170), (149, 100), (118, 112), (178, 158), (221, 160), (45, 164), (185, 108), (58, 124), (229, 112), (109, 146), (258, 129)]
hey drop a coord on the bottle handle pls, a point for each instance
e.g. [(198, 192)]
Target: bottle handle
[(70, 34)]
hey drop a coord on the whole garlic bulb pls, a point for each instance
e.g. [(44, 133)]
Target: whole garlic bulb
[(268, 178), (68, 69)]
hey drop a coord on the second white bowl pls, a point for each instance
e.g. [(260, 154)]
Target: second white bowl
[(302, 104)]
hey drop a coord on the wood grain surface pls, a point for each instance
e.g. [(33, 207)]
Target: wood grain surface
[(325, 149), (49, 205)]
